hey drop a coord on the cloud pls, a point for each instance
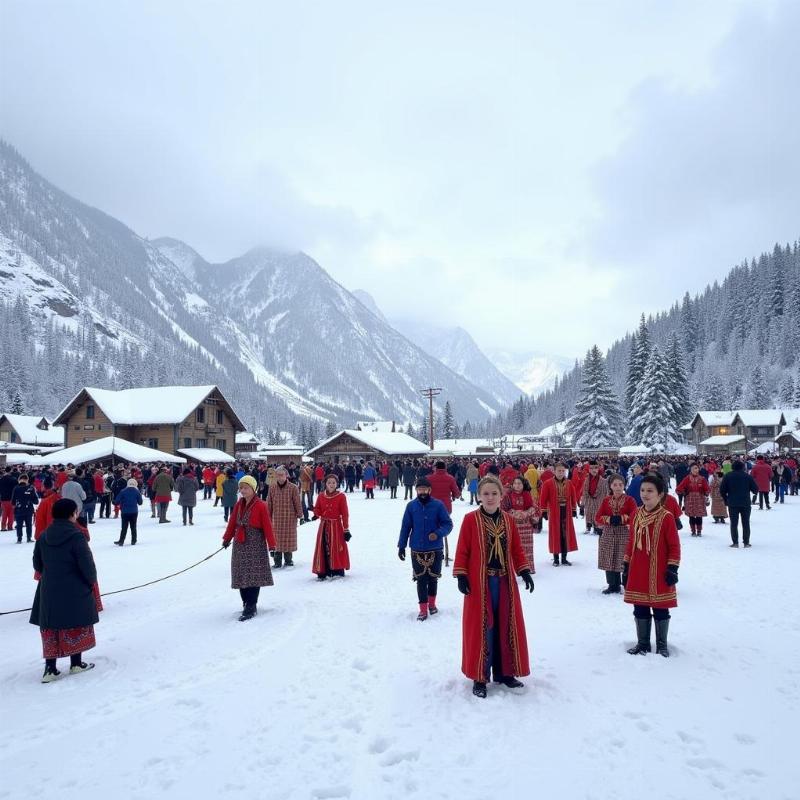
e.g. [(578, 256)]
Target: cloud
[(710, 176)]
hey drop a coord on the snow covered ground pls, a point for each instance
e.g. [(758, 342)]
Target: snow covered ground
[(335, 691)]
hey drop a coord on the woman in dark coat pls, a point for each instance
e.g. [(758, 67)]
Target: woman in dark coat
[(250, 529), (187, 488), (64, 606)]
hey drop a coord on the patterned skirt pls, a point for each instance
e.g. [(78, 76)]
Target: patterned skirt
[(250, 561), (592, 507), (611, 548), (718, 507), (525, 528), (694, 504), (63, 642)]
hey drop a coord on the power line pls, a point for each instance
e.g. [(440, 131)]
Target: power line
[(430, 393)]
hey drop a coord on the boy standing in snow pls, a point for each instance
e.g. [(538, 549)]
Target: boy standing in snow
[(426, 523)]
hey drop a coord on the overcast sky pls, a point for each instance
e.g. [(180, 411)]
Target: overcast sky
[(538, 173)]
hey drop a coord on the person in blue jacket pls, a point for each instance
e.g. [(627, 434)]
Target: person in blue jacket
[(425, 523), (635, 484), (129, 500)]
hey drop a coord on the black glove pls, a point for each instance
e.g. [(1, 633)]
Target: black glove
[(527, 579), (679, 524), (544, 514), (671, 575), (226, 543), (463, 584), (314, 518), (347, 536), (401, 553), (302, 521), (625, 575), (616, 519), (574, 513)]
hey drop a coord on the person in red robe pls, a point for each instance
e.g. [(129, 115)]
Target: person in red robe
[(489, 556), (443, 486), (674, 508), (507, 474), (331, 554), (558, 497), (650, 570), (576, 478), (44, 511), (525, 510), (695, 491), (612, 519)]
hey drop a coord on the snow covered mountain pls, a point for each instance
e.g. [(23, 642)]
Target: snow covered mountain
[(95, 303), (453, 347), (533, 372)]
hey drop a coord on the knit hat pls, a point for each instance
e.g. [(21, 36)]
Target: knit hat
[(250, 481), (133, 483), (423, 481)]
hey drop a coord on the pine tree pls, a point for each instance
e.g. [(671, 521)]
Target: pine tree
[(796, 400), (447, 424), (330, 429), (678, 382), (652, 419), (423, 431), (757, 391), (597, 421), (689, 325), (17, 406), (410, 431), (637, 362), (786, 391), (302, 436), (466, 431), (313, 434)]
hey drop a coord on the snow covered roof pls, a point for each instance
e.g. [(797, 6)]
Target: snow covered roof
[(761, 416), (157, 405), (206, 455), (245, 437), (100, 449), (714, 418), (718, 441), (794, 434), (464, 447), (17, 459), (376, 426), (15, 447), (29, 432), (792, 417), (391, 444), (764, 447)]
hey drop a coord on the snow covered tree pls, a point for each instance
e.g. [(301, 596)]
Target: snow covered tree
[(17, 406), (796, 400), (423, 431), (447, 424), (330, 429), (410, 431), (652, 418), (466, 431), (786, 391), (637, 362), (757, 391), (301, 436), (678, 382), (597, 421), (313, 434)]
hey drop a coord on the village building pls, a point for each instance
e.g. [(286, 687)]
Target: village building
[(166, 418), (30, 430), (246, 443), (350, 445)]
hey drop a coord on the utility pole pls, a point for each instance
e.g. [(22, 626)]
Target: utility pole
[(430, 393)]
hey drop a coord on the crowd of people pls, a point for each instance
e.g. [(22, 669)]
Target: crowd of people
[(625, 502)]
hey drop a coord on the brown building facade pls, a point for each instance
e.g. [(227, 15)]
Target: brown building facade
[(169, 418)]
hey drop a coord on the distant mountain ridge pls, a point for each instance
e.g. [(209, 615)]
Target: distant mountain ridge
[(278, 335)]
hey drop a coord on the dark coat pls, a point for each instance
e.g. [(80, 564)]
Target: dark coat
[(409, 475), (64, 597), (393, 477), (24, 498), (187, 488), (736, 488), (230, 493)]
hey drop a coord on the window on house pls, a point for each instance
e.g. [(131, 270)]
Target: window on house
[(90, 412), (5, 436), (187, 442), (222, 444), (200, 415), (200, 443), (14, 438), (88, 427), (76, 427), (153, 443), (220, 417)]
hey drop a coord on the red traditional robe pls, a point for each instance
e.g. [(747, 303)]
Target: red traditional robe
[(694, 489), (471, 560), (626, 508), (44, 513), (653, 544), (548, 500), (333, 515), (672, 505), (546, 475), (577, 479)]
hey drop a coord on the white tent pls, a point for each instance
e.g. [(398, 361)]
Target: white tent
[(18, 459), (120, 449), (763, 448), (206, 455)]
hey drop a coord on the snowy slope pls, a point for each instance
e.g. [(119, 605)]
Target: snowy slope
[(335, 691), (533, 372)]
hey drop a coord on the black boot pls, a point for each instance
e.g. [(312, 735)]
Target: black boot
[(643, 628), (610, 581), (556, 562), (287, 560), (278, 559), (662, 628), (564, 560), (249, 612), (479, 689), (511, 682)]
